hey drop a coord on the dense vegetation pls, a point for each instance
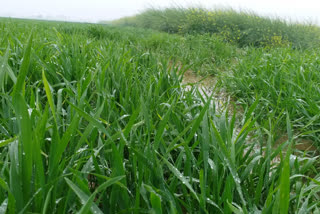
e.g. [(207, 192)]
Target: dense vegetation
[(241, 28), (95, 119), (268, 64)]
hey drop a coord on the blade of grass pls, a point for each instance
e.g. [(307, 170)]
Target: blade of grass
[(82, 196)]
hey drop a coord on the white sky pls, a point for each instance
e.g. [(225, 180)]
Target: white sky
[(96, 10)]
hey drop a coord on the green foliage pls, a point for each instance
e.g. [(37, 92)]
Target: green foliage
[(287, 80), (95, 120), (241, 28)]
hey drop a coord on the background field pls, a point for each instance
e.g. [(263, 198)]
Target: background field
[(241, 28), (95, 118)]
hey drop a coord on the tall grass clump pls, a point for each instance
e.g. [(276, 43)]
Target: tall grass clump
[(97, 123), (241, 28), (288, 83)]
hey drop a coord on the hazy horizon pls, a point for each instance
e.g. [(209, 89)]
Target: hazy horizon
[(106, 10)]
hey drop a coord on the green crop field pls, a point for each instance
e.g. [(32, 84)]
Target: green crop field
[(97, 118)]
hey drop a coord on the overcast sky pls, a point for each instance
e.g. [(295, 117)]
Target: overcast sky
[(96, 10)]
